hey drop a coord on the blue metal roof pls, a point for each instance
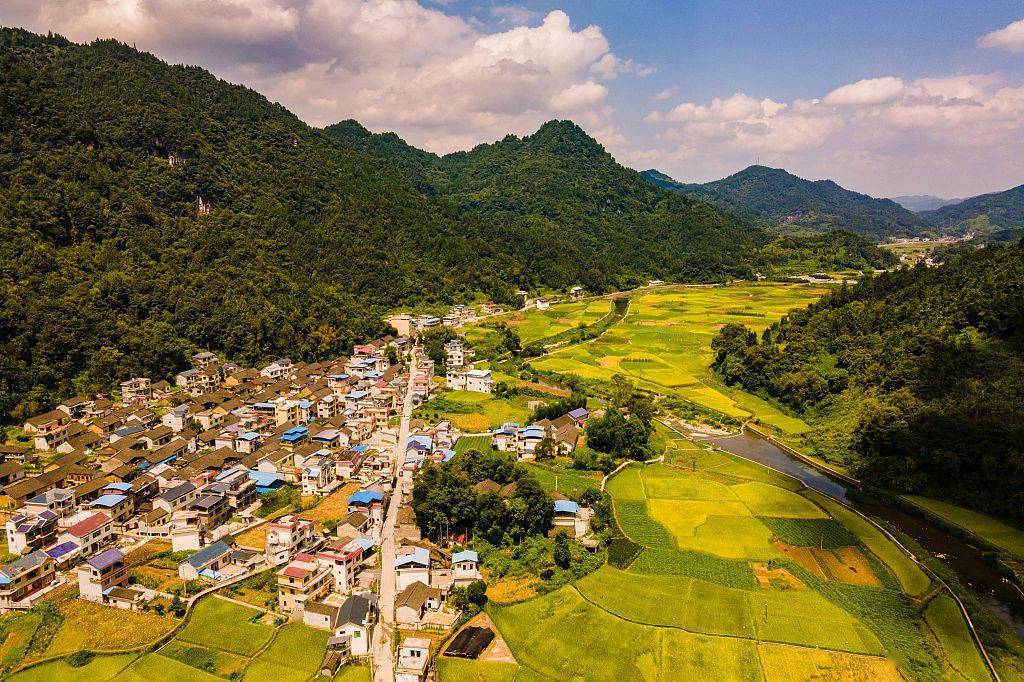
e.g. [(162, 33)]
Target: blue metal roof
[(63, 549), (579, 413), (265, 477), (108, 500), (124, 487), (366, 497), (465, 555), (419, 556), (249, 435), (566, 506)]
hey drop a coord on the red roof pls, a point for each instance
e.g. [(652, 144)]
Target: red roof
[(86, 526), (305, 556), (295, 572)]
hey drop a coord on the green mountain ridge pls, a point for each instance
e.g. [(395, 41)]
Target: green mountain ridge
[(912, 378), (982, 215), (789, 204), (148, 210)]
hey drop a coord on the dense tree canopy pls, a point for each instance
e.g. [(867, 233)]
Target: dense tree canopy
[(915, 377), (446, 502), (149, 210)]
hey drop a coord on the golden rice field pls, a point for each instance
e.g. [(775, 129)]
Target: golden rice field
[(664, 344), (714, 596)]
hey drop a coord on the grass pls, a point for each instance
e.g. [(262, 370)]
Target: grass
[(912, 579), (157, 668), (768, 500), (622, 552), (727, 572), (353, 672), (994, 532), (569, 483), (100, 669), (224, 625), (944, 618), (473, 412), (534, 325), (481, 443), (294, 655), (460, 670), (637, 524), (788, 663)]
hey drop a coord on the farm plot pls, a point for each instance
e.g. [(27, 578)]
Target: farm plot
[(294, 655), (712, 568), (664, 345), (220, 624), (534, 325)]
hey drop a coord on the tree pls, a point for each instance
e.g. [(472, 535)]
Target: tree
[(476, 593), (177, 606), (547, 448), (561, 555)]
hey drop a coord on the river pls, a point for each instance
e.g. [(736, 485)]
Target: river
[(998, 595)]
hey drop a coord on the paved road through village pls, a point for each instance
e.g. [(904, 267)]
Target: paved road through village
[(383, 649)]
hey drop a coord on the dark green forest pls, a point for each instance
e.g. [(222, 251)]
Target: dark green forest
[(790, 204), (149, 210), (913, 378)]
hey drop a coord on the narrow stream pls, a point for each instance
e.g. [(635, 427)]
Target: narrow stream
[(997, 594)]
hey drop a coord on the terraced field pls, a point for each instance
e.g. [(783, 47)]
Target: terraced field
[(664, 344), (534, 325), (717, 593), (222, 641)]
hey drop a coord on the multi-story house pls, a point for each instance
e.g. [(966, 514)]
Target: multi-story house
[(343, 558), (318, 474), (48, 430), (287, 535), (137, 390), (22, 580), (302, 581), (101, 573), (90, 532), (30, 530)]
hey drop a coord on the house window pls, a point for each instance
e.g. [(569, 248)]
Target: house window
[(356, 634)]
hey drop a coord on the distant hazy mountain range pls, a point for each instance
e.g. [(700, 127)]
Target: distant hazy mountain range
[(923, 202), (790, 204)]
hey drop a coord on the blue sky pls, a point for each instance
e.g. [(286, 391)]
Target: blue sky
[(884, 97)]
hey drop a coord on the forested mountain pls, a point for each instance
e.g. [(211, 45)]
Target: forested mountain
[(918, 203), (147, 210), (982, 215), (914, 378), (791, 204)]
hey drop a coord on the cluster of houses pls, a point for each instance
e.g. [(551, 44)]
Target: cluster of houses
[(187, 462), (460, 314), (460, 372), (564, 431)]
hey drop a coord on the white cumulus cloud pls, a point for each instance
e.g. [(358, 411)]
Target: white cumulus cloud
[(867, 91), (436, 78), (1009, 38)]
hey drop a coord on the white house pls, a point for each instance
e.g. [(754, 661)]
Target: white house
[(412, 567)]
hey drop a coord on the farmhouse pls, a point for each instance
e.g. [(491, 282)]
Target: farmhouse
[(99, 574), (206, 563)]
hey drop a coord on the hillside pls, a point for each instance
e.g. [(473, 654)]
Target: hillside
[(918, 203), (981, 215), (912, 379), (148, 210), (791, 204)]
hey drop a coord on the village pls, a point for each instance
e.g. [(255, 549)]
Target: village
[(212, 464)]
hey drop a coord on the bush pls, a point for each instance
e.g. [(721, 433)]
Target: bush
[(80, 659), (622, 552)]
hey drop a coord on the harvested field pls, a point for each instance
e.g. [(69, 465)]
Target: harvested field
[(778, 578)]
